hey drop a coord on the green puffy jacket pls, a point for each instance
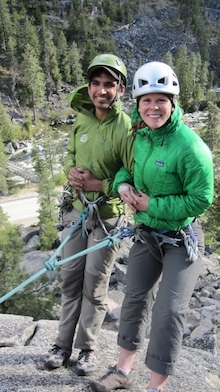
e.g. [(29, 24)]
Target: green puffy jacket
[(99, 146), (174, 167)]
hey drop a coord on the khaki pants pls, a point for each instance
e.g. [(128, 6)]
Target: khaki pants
[(85, 282), (178, 278)]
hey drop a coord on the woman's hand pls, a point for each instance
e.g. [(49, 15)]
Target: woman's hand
[(136, 200), (141, 201)]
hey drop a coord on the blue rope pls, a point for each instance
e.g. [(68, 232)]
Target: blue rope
[(52, 263)]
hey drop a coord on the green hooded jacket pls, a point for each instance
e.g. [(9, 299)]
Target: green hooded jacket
[(99, 146), (174, 167)]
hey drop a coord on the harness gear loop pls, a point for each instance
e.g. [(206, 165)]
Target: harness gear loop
[(191, 244)]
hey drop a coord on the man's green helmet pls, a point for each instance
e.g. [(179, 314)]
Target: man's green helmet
[(111, 63)]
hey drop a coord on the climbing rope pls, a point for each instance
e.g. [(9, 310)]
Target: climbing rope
[(53, 262)]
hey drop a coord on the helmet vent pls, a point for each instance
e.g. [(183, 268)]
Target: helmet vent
[(162, 81), (142, 82)]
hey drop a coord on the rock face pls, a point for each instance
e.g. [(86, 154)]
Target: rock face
[(24, 343)]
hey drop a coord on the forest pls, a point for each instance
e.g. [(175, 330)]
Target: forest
[(45, 48)]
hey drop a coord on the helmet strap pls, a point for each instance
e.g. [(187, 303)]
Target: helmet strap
[(117, 96)]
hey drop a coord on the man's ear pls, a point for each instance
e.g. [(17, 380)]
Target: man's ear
[(121, 90)]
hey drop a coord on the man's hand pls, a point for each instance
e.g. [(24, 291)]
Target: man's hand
[(84, 180)]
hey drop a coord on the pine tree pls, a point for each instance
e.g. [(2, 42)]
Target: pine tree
[(183, 70), (49, 60), (75, 65), (217, 61), (36, 299), (6, 126), (3, 169), (33, 79), (63, 57), (168, 59), (211, 132), (44, 168), (79, 28), (5, 25), (211, 135)]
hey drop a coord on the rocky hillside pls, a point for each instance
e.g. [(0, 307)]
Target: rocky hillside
[(156, 30)]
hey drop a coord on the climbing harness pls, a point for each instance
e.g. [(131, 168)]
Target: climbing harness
[(65, 204), (54, 260), (93, 208), (188, 240)]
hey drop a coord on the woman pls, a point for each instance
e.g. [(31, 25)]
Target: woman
[(171, 185)]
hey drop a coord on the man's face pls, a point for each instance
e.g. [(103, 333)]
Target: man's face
[(102, 91)]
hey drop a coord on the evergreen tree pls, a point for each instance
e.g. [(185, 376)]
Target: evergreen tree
[(6, 126), (90, 52), (5, 25), (3, 169), (75, 65), (33, 79), (211, 132), (14, 68), (35, 300), (49, 60), (79, 28), (63, 57), (183, 70), (211, 135), (10, 258), (168, 59), (44, 168), (25, 33), (217, 57)]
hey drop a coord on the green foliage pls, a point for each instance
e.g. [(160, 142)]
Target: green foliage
[(3, 169), (44, 168), (76, 72), (63, 57), (60, 178), (5, 25), (33, 79), (50, 61), (5, 124), (48, 235), (192, 73), (36, 299), (211, 135)]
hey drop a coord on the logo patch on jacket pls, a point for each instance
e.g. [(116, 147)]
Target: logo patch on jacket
[(83, 138), (159, 163)]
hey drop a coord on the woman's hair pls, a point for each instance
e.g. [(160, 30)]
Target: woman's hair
[(138, 125)]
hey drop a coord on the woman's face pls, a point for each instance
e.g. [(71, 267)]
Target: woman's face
[(155, 109)]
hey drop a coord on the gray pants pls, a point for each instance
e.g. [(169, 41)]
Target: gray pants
[(178, 278), (84, 286)]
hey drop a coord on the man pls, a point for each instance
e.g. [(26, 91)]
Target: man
[(96, 151)]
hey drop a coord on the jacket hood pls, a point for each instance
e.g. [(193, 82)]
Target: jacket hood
[(80, 101)]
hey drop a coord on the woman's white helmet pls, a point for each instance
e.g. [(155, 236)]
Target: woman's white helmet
[(155, 77)]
